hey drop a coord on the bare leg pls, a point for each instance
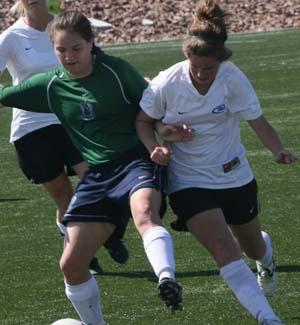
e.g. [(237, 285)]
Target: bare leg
[(61, 191), (211, 230), (145, 204), (250, 239), (82, 242)]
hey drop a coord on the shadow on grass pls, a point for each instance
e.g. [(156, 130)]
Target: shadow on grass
[(12, 200), (149, 275)]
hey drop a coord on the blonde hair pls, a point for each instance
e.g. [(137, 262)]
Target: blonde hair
[(207, 32), (17, 9)]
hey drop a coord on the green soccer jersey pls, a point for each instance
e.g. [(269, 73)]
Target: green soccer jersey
[(98, 111)]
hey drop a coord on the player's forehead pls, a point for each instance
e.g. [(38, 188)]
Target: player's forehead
[(203, 61), (65, 38)]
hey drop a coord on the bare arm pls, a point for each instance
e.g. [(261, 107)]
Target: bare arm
[(270, 139), (174, 132), (145, 130)]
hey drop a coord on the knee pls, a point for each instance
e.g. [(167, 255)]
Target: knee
[(144, 217), (72, 268), (224, 251)]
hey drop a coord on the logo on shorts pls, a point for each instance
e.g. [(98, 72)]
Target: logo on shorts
[(141, 177), (219, 109)]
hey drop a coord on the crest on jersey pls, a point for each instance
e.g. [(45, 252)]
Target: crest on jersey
[(87, 111), (219, 109)]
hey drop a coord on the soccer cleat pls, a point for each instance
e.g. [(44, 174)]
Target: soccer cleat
[(272, 322), (95, 268), (117, 250), (171, 293), (267, 278)]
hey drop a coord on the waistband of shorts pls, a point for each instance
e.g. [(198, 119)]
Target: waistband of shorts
[(137, 152)]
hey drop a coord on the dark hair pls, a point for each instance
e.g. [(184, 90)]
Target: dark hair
[(207, 32), (72, 21)]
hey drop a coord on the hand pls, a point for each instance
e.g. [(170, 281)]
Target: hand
[(161, 155), (285, 157), (176, 132)]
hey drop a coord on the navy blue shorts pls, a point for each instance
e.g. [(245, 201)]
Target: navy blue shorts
[(239, 205), (104, 192), (44, 154)]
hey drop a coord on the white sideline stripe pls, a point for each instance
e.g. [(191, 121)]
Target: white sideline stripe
[(284, 95)]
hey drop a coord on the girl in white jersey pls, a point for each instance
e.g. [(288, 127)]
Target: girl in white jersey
[(42, 145), (200, 102)]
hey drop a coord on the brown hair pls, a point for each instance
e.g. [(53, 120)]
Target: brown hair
[(72, 21), (207, 32)]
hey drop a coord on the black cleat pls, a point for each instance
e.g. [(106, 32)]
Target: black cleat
[(95, 267), (171, 293), (117, 250)]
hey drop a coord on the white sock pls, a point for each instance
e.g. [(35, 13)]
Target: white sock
[(85, 298), (266, 260), (242, 282), (158, 246)]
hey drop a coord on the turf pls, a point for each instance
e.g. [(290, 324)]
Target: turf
[(31, 284)]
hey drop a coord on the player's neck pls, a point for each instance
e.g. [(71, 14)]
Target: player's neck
[(38, 21)]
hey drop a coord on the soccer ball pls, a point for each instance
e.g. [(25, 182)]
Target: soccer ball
[(67, 321)]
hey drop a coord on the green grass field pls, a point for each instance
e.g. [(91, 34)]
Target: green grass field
[(31, 284)]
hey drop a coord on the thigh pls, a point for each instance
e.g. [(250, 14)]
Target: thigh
[(249, 238), (240, 205), (60, 190), (211, 230), (145, 207), (83, 239)]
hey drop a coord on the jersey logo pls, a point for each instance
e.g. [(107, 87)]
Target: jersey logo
[(87, 111), (219, 109)]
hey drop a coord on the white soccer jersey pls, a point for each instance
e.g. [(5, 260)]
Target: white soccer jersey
[(214, 117), (25, 51)]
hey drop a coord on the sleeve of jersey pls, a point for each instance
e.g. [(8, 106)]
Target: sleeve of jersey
[(5, 47), (153, 102), (30, 95), (242, 97)]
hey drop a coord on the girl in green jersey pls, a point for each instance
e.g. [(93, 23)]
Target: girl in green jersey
[(96, 98)]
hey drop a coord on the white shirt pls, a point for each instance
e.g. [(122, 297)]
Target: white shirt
[(214, 117), (25, 51)]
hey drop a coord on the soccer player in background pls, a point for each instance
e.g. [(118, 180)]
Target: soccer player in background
[(200, 102), (96, 98)]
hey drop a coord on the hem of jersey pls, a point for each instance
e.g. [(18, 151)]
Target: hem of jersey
[(213, 186)]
